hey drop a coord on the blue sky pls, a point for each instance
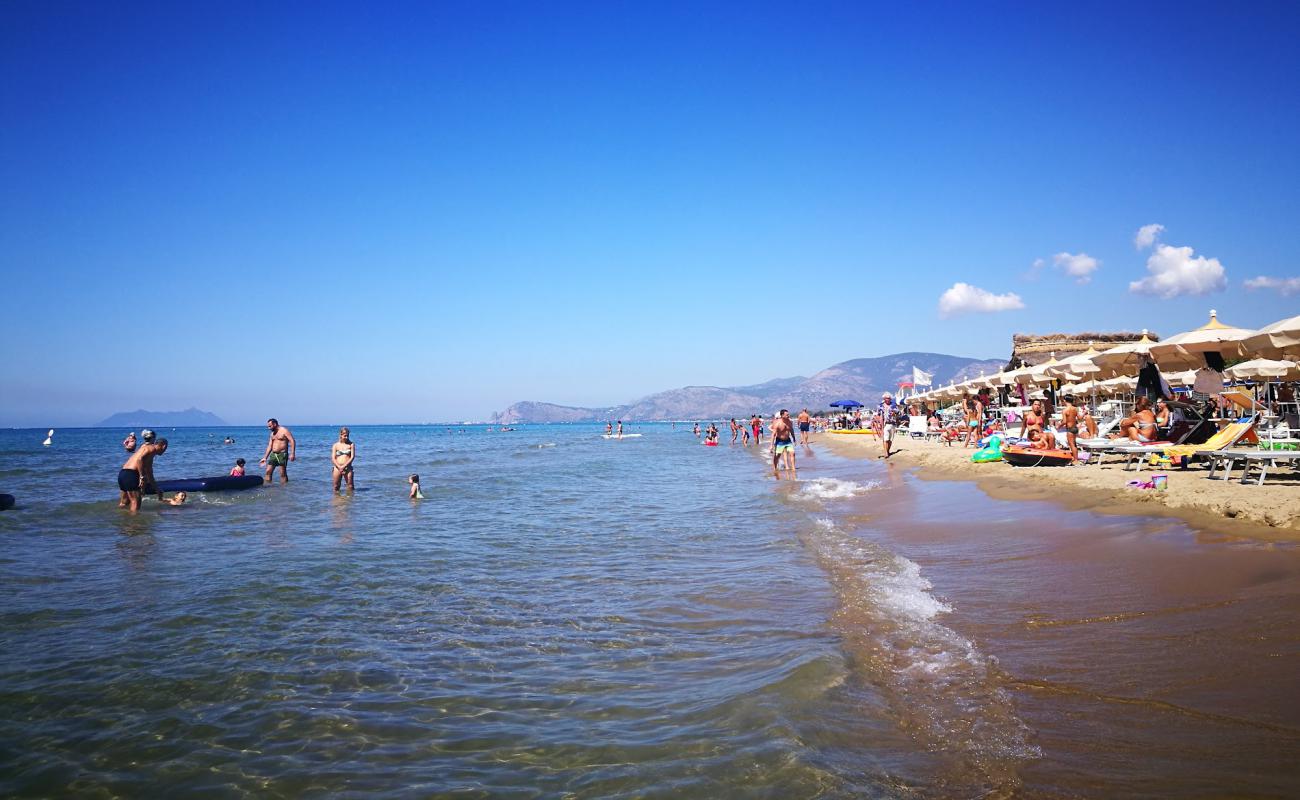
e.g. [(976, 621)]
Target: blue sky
[(336, 213)]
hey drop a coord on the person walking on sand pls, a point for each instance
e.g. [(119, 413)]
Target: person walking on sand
[(280, 450), (342, 454), (805, 424), (783, 443), (885, 422), (973, 410), (136, 475)]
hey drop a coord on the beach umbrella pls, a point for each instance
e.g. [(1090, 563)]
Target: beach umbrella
[(846, 404), (1184, 378), (1263, 368), (1080, 364), (1280, 338), (1123, 383), (1188, 349), (1124, 359), (1040, 373)]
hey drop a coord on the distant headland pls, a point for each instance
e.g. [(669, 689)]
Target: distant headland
[(189, 418)]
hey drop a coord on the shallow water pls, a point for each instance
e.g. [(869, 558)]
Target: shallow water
[(569, 615)]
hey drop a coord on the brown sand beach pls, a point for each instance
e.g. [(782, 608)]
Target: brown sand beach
[(1269, 511)]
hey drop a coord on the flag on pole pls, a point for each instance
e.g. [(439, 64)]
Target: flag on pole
[(922, 378)]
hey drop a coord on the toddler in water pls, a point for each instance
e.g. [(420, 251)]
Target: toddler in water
[(414, 480), (238, 471), (178, 499)]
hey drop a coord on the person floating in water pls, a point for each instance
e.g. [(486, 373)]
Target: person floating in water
[(783, 444), (280, 450), (414, 480), (178, 499), (136, 475), (343, 453)]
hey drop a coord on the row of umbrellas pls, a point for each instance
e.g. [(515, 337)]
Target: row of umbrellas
[(1115, 368)]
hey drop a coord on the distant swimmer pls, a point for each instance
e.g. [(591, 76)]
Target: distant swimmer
[(280, 450), (783, 444), (609, 428), (805, 423), (414, 494), (178, 499), (697, 430), (229, 440), (128, 443), (342, 454), (136, 475), (620, 429)]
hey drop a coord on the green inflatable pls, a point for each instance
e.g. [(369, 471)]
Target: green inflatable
[(989, 452)]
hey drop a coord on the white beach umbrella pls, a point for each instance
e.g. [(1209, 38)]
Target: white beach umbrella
[(1124, 359), (1184, 378), (1263, 368), (1123, 383), (1188, 349), (1271, 341), (1042, 373), (1078, 364)]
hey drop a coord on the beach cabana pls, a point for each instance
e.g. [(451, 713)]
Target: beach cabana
[(1187, 350)]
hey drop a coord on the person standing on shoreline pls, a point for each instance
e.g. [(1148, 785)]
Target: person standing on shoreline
[(973, 410), (1070, 422), (782, 443), (136, 475), (280, 450), (886, 422), (805, 423), (342, 454)]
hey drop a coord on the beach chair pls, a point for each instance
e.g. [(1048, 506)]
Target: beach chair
[(1243, 430), (1178, 434), (1261, 459)]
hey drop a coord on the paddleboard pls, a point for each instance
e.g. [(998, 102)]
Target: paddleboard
[(218, 483), (624, 436)]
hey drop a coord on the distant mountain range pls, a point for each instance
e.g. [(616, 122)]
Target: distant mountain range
[(862, 379), (189, 418)]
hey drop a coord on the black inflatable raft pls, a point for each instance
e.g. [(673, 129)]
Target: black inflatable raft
[(219, 483)]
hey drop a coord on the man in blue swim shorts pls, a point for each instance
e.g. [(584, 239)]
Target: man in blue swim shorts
[(783, 444)]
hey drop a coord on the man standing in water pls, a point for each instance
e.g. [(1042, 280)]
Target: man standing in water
[(782, 443), (136, 475), (280, 450), (805, 422)]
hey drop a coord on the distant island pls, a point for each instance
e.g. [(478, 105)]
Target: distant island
[(189, 418), (861, 379)]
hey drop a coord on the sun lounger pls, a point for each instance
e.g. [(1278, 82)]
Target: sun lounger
[(1135, 451), (1263, 459), (1243, 430), (918, 427)]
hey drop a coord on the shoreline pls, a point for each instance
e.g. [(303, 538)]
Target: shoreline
[(1269, 512)]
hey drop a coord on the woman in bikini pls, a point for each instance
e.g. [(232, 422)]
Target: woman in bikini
[(1033, 420), (1141, 427), (342, 454)]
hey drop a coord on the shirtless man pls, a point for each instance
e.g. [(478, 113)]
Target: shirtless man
[(805, 424), (782, 443), (735, 430), (136, 475), (1070, 422), (280, 450)]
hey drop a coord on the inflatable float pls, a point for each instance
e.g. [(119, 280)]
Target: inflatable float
[(860, 431), (6, 501), (1025, 457), (991, 451), (219, 483), (710, 444)]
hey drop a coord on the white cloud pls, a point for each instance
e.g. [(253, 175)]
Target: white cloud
[(1146, 235), (963, 298), (1079, 267), (1285, 286), (1175, 271)]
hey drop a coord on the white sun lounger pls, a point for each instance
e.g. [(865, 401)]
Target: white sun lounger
[(1262, 459)]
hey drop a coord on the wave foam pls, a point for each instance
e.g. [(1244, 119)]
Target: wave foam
[(833, 489)]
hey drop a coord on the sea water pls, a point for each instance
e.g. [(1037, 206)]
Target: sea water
[(565, 615)]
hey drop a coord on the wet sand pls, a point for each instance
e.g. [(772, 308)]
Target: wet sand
[(1271, 511)]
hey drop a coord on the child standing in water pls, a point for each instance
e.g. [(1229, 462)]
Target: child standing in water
[(238, 470), (414, 480)]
